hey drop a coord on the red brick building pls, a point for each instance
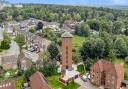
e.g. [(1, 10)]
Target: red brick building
[(38, 81), (8, 84), (107, 74), (66, 51)]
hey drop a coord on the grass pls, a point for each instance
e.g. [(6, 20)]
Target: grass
[(55, 84), (121, 61), (80, 68), (19, 83), (77, 41)]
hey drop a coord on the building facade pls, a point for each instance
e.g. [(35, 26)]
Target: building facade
[(8, 84), (107, 74), (66, 51)]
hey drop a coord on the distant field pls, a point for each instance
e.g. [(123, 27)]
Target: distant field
[(77, 41)]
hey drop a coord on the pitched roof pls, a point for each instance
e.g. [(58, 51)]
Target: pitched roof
[(67, 34), (8, 84), (105, 65), (38, 81), (119, 70), (108, 67)]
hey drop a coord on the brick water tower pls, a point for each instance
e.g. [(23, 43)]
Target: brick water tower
[(67, 51)]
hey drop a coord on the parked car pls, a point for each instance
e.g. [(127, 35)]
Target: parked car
[(32, 49), (84, 78)]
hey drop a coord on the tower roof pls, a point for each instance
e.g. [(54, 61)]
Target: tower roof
[(66, 34)]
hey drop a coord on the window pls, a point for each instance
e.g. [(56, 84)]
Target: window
[(66, 54)]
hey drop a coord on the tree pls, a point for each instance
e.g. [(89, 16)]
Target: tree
[(39, 25), (126, 32), (94, 24), (121, 47), (106, 25), (53, 50), (108, 42), (88, 63), (20, 39), (82, 30), (49, 70), (5, 44), (118, 25), (32, 30), (92, 48)]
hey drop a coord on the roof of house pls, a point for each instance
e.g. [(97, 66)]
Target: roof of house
[(8, 84), (38, 81), (67, 34), (107, 66), (24, 60)]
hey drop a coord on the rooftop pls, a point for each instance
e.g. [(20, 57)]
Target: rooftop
[(67, 35), (38, 81)]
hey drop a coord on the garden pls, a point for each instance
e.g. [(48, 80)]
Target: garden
[(56, 84)]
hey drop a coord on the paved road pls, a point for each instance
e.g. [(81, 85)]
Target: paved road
[(85, 85)]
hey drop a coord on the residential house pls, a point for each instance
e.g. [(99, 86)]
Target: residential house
[(8, 84), (8, 58), (107, 74), (35, 40), (9, 62), (38, 81), (11, 28), (24, 61)]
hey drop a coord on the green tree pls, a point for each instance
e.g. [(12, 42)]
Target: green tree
[(82, 30), (32, 30), (121, 47), (53, 50), (94, 24), (20, 39), (108, 42), (92, 48), (118, 25), (5, 44)]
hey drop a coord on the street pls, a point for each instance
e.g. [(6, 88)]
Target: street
[(85, 85)]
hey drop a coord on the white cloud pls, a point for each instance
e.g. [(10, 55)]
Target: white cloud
[(120, 2)]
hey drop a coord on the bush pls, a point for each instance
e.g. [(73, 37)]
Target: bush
[(5, 44), (1, 50)]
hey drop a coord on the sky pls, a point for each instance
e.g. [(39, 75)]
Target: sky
[(74, 2)]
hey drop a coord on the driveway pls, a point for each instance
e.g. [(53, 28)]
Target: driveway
[(85, 85)]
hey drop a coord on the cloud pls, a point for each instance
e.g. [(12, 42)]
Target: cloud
[(120, 2)]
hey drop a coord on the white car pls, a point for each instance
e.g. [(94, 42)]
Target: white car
[(84, 78)]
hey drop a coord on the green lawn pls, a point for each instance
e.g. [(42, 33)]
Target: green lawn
[(55, 84), (121, 61), (77, 41), (19, 83), (80, 68)]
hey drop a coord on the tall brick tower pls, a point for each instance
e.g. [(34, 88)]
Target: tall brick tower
[(66, 51)]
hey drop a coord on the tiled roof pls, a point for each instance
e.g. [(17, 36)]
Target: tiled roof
[(106, 66), (38, 81)]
